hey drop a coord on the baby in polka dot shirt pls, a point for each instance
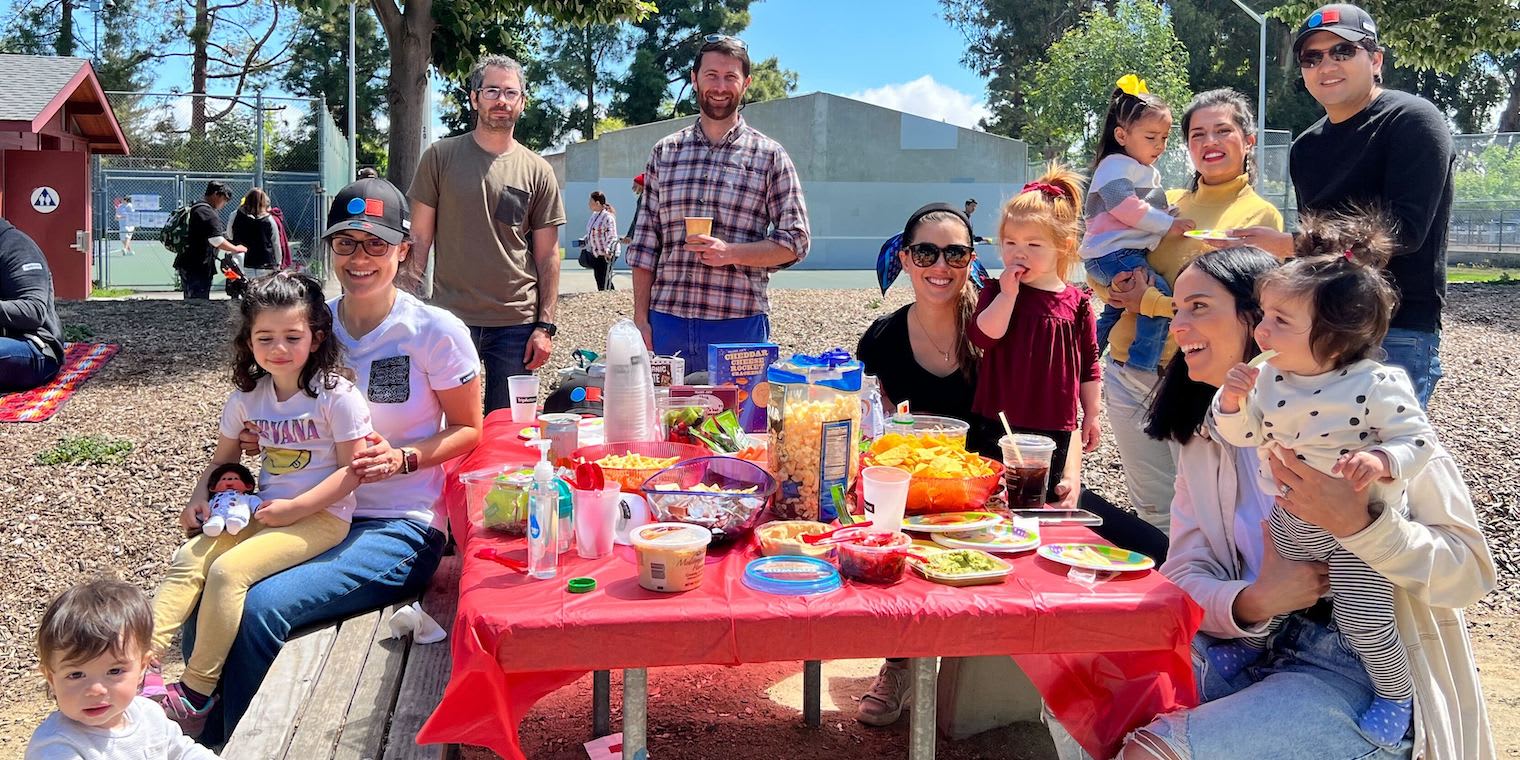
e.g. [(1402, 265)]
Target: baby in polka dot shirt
[(1318, 394)]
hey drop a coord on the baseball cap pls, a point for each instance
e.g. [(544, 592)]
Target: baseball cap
[(639, 180), (370, 205), (972, 200), (1344, 20), (218, 187)]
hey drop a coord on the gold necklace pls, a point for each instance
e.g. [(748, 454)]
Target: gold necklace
[(927, 336)]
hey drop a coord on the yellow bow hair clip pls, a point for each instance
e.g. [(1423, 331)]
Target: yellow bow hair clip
[(1132, 85)]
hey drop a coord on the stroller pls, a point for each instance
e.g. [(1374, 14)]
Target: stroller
[(237, 282)]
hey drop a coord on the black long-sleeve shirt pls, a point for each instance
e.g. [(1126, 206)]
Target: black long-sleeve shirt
[(26, 293), (1395, 155)]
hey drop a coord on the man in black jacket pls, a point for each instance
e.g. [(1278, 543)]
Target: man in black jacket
[(197, 265), (31, 340), (1377, 149)]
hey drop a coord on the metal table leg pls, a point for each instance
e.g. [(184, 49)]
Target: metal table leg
[(921, 731), (635, 713), (601, 708), (812, 688)]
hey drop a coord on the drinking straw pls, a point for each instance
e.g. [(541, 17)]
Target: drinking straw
[(1009, 430)]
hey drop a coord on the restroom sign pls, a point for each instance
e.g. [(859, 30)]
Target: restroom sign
[(44, 200)]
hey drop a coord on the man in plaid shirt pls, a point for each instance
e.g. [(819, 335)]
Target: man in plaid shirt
[(692, 291)]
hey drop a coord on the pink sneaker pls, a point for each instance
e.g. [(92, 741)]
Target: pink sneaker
[(153, 684), (178, 707)]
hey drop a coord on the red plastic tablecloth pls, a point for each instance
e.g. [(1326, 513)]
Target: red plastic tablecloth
[(1106, 659)]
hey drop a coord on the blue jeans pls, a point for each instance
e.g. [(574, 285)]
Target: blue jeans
[(382, 561), (1150, 332), (23, 366), (501, 352), (1419, 354), (692, 336), (1302, 701)]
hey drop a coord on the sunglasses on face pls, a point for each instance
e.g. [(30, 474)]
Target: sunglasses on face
[(925, 254), (1340, 53), (346, 246)]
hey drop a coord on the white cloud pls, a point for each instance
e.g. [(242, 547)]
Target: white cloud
[(929, 99)]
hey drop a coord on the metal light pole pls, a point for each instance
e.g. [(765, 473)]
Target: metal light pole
[(353, 135), (1261, 92)]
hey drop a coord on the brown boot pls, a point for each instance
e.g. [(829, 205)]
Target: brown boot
[(884, 703)]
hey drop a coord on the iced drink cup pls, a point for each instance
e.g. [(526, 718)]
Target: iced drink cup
[(1027, 474)]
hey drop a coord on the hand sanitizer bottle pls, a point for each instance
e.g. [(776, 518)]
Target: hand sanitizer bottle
[(543, 518)]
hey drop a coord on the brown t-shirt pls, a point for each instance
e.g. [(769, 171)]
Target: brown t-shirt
[(488, 207)]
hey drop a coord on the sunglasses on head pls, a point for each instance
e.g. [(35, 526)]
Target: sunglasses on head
[(925, 254), (1339, 52), (713, 39)]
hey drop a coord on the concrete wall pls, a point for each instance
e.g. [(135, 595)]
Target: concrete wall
[(864, 169)]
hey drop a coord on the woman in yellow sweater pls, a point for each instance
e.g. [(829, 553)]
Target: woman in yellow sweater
[(1220, 133)]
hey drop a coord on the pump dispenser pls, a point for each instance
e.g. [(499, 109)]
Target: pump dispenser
[(543, 517)]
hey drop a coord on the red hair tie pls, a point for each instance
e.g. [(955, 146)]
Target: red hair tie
[(1347, 254), (1046, 188)]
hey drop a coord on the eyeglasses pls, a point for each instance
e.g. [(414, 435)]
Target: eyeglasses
[(956, 256), (498, 93), (1340, 53), (344, 245), (713, 39)]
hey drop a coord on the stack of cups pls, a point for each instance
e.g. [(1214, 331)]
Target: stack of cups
[(1026, 459), (628, 393), (885, 493)]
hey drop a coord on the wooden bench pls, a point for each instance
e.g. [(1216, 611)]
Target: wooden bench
[(348, 692)]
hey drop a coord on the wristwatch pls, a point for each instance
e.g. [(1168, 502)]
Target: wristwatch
[(547, 327), (409, 460)]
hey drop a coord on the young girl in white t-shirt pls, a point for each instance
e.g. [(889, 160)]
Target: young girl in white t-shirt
[(310, 420)]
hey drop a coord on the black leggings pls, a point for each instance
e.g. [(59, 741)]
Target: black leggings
[(601, 266)]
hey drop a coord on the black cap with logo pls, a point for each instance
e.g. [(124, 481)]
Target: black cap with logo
[(374, 206), (1344, 20)]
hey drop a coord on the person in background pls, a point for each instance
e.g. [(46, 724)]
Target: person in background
[(255, 228), (638, 206), (31, 338), (197, 265), (601, 239)]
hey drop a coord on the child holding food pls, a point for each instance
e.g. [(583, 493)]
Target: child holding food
[(1126, 208), (1320, 396), (1036, 332)]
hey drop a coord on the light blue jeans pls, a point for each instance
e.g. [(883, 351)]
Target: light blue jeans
[(1302, 701), (1150, 332), (691, 337), (380, 562), (1419, 354)]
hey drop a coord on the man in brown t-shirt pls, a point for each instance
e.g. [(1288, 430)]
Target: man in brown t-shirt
[(490, 208)]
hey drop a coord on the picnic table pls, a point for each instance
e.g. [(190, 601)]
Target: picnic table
[(1106, 658)]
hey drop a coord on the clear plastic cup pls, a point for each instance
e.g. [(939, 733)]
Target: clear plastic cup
[(596, 515), (885, 493), (1026, 459), (524, 392)]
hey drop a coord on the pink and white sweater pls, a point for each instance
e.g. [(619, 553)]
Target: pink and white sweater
[(1125, 207)]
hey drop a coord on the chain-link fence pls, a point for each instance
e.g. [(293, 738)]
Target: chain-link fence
[(179, 143), (1177, 168)]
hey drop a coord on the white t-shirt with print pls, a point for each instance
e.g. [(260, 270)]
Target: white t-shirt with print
[(416, 351), (298, 435), (147, 735)]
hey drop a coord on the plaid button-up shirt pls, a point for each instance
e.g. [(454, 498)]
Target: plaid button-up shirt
[(748, 185)]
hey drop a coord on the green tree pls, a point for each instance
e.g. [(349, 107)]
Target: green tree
[(1068, 93), (577, 63), (1004, 38), (319, 69), (1493, 174), (667, 44), (1432, 34)]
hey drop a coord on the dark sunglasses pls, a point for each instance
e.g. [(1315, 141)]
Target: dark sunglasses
[(1340, 53), (925, 254), (713, 39)]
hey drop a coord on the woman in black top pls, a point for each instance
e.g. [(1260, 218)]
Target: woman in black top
[(253, 226), (921, 355)]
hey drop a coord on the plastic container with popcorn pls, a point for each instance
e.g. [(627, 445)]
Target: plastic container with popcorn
[(814, 420)]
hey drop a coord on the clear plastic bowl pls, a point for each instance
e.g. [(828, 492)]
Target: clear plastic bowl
[(950, 429), (874, 557), (784, 537), (632, 477), (728, 513)]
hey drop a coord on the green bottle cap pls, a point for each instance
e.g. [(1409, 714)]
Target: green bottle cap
[(581, 585)]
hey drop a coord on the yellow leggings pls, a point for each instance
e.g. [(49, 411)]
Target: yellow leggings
[(218, 572)]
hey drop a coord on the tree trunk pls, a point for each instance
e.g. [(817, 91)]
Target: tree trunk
[(200, 33), (64, 45), (588, 129), (1509, 121), (410, 32)]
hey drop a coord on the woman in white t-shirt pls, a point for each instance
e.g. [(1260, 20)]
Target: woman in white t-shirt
[(419, 371)]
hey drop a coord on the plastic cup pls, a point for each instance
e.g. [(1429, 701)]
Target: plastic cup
[(885, 493), (1026, 459), (596, 515), (698, 225), (524, 392)]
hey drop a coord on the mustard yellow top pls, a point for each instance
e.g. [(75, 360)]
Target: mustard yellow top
[(1211, 207)]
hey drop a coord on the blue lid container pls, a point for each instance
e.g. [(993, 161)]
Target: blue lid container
[(832, 369), (791, 576)]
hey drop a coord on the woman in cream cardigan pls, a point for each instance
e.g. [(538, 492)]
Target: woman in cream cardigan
[(1303, 698)]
